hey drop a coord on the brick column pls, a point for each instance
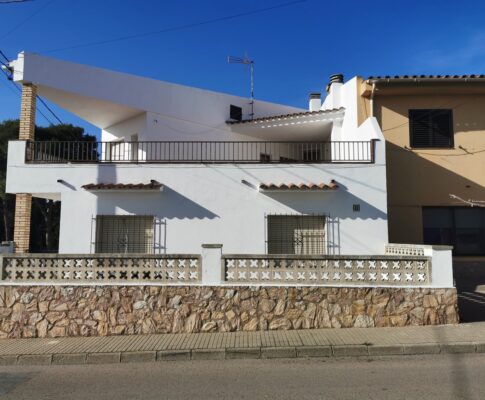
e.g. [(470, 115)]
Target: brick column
[(27, 112), (23, 201), (21, 234)]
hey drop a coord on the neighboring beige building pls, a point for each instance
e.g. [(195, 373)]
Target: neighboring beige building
[(435, 132)]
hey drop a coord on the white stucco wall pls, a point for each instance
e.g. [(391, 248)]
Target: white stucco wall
[(200, 203), (106, 98), (209, 203)]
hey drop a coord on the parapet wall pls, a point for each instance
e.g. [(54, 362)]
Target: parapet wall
[(56, 311)]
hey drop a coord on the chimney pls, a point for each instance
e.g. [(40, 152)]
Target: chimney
[(315, 101), (335, 79)]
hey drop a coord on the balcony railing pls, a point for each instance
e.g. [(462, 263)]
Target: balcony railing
[(254, 152)]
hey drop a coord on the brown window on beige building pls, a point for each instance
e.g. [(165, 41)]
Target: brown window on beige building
[(296, 234), (124, 234), (431, 128)]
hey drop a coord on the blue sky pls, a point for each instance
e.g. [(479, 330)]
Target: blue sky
[(295, 47)]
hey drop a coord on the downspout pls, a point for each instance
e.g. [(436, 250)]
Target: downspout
[(372, 99)]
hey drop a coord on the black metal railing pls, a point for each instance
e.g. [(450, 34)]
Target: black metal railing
[(256, 152)]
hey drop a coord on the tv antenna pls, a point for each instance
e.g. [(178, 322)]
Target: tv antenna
[(470, 202), (248, 62)]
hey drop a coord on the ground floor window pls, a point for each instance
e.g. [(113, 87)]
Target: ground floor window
[(124, 234), (461, 227), (296, 234)]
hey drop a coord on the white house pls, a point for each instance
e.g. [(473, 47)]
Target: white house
[(178, 167)]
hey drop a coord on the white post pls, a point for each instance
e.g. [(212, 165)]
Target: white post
[(442, 266), (211, 264)]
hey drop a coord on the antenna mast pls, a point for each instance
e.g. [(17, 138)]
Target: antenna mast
[(246, 61)]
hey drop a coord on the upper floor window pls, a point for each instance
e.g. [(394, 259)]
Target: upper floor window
[(431, 128)]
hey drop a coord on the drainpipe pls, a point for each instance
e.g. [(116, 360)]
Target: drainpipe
[(372, 99)]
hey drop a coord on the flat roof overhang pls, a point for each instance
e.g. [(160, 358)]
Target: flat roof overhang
[(99, 112)]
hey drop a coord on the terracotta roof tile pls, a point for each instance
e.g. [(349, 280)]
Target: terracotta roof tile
[(123, 186), (301, 186), (426, 77), (283, 116)]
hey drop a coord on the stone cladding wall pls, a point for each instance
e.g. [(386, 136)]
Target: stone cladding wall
[(57, 311)]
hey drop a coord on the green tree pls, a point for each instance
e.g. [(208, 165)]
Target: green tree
[(44, 234)]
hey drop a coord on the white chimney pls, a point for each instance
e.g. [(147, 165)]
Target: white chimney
[(315, 101), (333, 99)]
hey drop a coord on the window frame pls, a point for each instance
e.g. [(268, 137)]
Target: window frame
[(302, 230), (430, 111), (101, 233)]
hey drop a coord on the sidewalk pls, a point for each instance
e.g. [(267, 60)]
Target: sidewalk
[(464, 338)]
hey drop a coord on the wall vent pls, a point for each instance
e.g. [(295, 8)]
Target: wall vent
[(235, 113)]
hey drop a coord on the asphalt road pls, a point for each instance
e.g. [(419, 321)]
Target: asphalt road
[(405, 377)]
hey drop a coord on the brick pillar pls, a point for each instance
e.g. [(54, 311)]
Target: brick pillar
[(21, 234), (27, 112), (23, 201)]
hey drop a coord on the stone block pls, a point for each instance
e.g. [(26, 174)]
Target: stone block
[(314, 351), (64, 359), (242, 353), (103, 358), (480, 347), (278, 352), (8, 360), (35, 359), (458, 347), (350, 350), (421, 348), (138, 356), (381, 350), (173, 355), (208, 354)]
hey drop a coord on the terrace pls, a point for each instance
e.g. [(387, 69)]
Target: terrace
[(217, 152)]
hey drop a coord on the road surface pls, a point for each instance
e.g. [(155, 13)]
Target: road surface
[(405, 377)]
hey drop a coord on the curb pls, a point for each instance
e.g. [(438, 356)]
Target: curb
[(328, 351)]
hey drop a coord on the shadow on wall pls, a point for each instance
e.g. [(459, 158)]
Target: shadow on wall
[(339, 203), (164, 206), (333, 235), (414, 181), (469, 278), (106, 174), (336, 206), (167, 204)]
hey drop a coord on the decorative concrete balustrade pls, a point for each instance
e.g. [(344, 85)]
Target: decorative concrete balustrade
[(328, 270), (99, 294), (399, 249), (428, 266), (101, 269)]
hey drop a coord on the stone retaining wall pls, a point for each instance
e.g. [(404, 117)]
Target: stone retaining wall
[(54, 311)]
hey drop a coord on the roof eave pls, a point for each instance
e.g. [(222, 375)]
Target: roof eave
[(262, 120)]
